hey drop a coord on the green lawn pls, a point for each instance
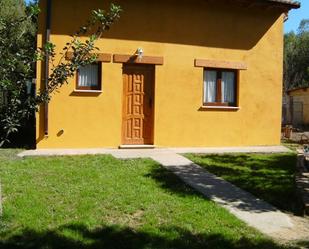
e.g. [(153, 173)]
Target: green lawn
[(101, 202), (268, 176)]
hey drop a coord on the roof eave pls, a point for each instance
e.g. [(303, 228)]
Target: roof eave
[(288, 5)]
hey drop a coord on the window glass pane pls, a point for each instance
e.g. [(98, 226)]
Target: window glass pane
[(210, 86), (88, 76), (228, 87)]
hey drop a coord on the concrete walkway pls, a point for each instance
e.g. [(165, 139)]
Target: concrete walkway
[(136, 153), (253, 211)]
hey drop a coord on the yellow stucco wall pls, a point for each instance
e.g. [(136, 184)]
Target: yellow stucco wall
[(180, 31), (302, 95)]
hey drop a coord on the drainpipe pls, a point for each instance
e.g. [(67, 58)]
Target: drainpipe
[(48, 28)]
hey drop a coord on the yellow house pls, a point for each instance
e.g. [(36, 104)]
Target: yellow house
[(208, 73)]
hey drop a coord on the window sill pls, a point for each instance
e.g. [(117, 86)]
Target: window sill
[(87, 91), (232, 108)]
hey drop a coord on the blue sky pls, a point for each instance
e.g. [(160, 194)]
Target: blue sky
[(295, 16)]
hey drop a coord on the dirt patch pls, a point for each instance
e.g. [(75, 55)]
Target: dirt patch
[(133, 220)]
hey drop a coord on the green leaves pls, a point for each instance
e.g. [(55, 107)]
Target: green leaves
[(106, 19), (34, 10), (18, 54), (38, 56), (83, 50), (49, 47), (296, 59)]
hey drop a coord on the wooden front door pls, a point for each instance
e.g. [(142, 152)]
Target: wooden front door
[(138, 104)]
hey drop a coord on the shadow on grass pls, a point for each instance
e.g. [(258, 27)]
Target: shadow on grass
[(303, 244), (168, 181), (269, 177), (115, 237), (213, 187)]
